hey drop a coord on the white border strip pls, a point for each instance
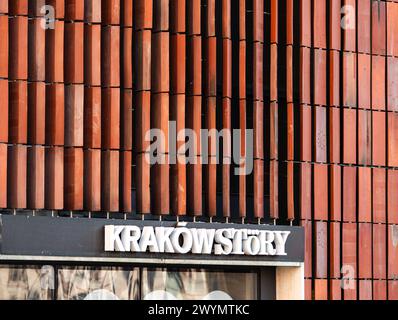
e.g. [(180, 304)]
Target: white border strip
[(150, 261)]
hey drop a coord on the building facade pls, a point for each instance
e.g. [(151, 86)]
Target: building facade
[(82, 82)]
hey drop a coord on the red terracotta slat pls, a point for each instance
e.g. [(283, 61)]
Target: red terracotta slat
[(335, 289), (392, 290), (74, 106), (258, 127), (4, 93), (160, 119), (111, 11), (55, 53), (290, 192), (335, 193), (4, 7), (74, 10), (55, 114), (74, 52), (194, 65), (143, 120), (305, 133), (393, 139), (178, 184), (36, 112), (307, 224), (320, 136), (274, 19), (379, 290), (319, 24), (17, 168), (142, 183), (364, 25), (258, 71), (365, 290), (178, 14), (92, 180), (126, 121), (194, 17), (35, 174), (110, 181), (126, 7), (290, 131), (321, 289), (242, 178), (349, 79), (320, 77), (392, 29), (92, 117), (54, 178), (92, 11), (321, 249), (349, 175), (392, 251), (392, 82), (392, 201), (334, 78), (177, 114), (335, 24), (110, 56), (379, 138), (35, 6), (143, 12), (349, 247), (37, 50), (18, 112), (365, 250), (364, 81), (349, 39), (334, 251), (127, 58), (274, 191), (92, 55), (73, 187), (142, 71), (110, 118), (160, 62), (305, 75), (379, 251), (3, 175), (18, 38), (274, 73), (378, 83), (178, 63), (4, 47), (307, 289), (59, 6), (161, 15), (289, 74), (160, 192), (258, 194), (258, 20), (378, 27), (211, 168), (320, 192), (364, 194), (334, 135), (125, 181), (19, 7), (349, 136), (379, 195), (305, 190), (194, 189), (273, 134)]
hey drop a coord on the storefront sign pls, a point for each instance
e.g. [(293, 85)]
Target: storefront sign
[(182, 240), (149, 242)]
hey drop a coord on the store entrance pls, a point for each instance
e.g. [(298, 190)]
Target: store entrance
[(65, 282)]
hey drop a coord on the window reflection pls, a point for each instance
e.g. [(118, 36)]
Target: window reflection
[(78, 283), (193, 284), (25, 283)]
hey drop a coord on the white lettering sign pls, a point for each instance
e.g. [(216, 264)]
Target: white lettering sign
[(181, 240)]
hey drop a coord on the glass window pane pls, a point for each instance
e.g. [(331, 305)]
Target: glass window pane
[(26, 282), (88, 283), (193, 284)]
